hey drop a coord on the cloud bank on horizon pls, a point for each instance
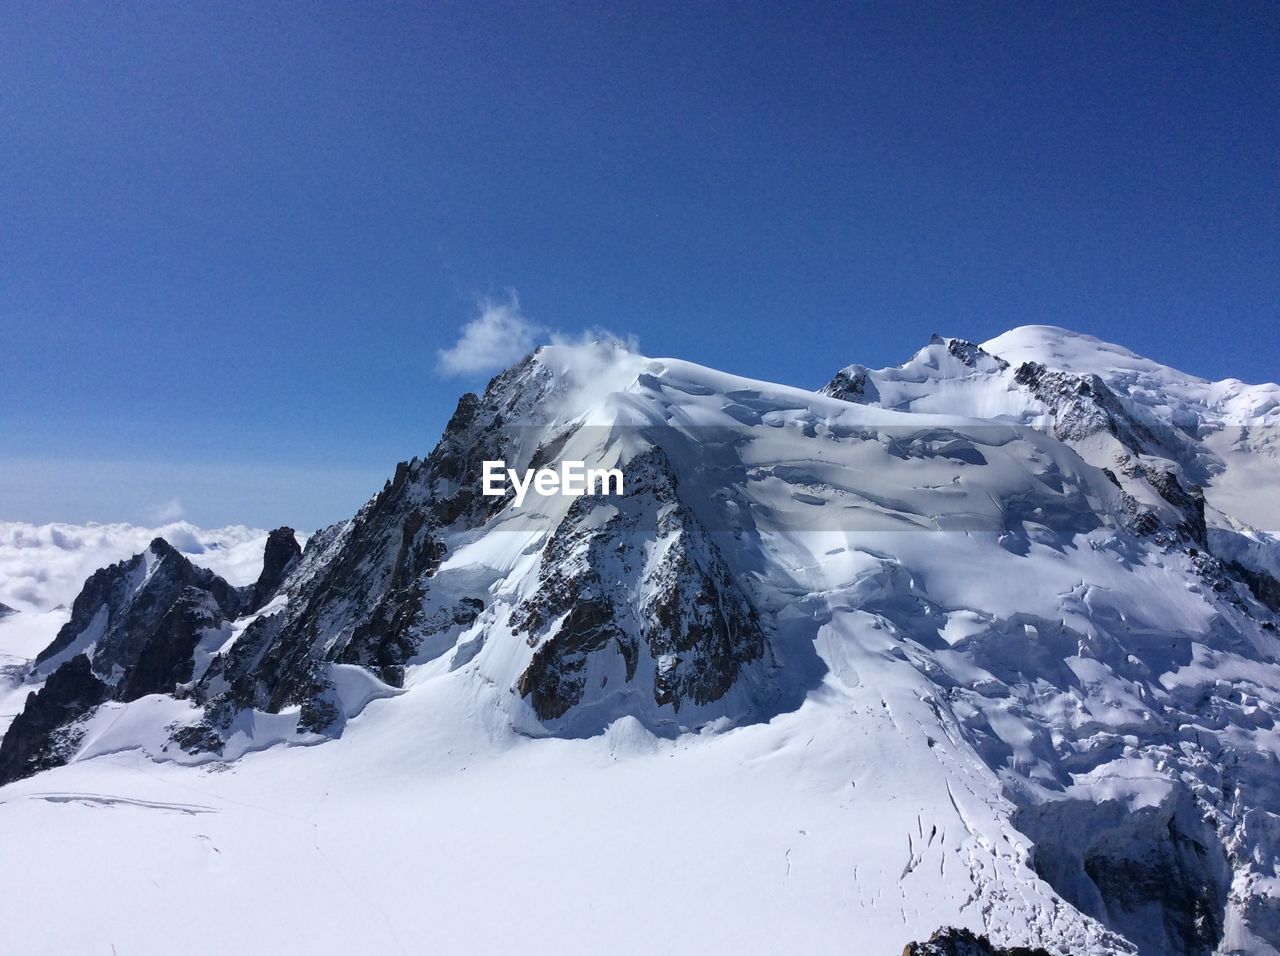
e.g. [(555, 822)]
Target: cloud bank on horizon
[(43, 566), (501, 334)]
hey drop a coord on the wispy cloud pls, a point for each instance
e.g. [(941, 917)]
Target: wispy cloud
[(597, 335), (501, 333), (495, 338), (166, 511)]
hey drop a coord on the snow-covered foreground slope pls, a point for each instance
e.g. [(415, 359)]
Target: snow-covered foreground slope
[(963, 643), (822, 831)]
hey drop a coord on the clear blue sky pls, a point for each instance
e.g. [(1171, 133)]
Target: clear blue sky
[(234, 238)]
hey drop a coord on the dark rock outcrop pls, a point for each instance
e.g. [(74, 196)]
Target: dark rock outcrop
[(1189, 501), (682, 613), (1157, 875), (121, 606), (167, 658), (1083, 405), (142, 619), (281, 554), (950, 941), (852, 385), (43, 735), (969, 353), (361, 591), (1263, 586)]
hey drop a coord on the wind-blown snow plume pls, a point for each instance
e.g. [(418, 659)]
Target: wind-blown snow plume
[(501, 334)]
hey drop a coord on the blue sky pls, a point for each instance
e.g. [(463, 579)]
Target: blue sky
[(236, 237)]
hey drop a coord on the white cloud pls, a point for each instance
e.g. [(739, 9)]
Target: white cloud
[(45, 565), (166, 512), (501, 334), (494, 339), (597, 335)]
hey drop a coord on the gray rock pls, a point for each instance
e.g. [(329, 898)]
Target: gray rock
[(42, 737)]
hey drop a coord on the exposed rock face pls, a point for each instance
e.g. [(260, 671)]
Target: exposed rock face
[(134, 631), (1189, 502), (950, 941), (1264, 587), (121, 606), (1159, 876), (43, 734), (639, 603), (1082, 406), (5, 610), (361, 591), (282, 553), (167, 658), (851, 385), (972, 355), (643, 604)]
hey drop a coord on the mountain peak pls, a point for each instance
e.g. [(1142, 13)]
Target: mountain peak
[(161, 548), (1008, 605), (1069, 351)]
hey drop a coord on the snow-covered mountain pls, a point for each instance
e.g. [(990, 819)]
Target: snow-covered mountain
[(44, 566), (984, 641)]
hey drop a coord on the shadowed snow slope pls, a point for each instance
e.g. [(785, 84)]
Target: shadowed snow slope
[(970, 642)]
